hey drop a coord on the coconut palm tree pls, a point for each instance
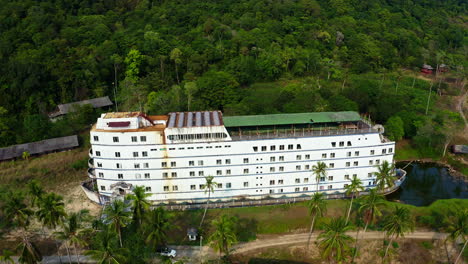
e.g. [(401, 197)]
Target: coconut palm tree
[(51, 210), (28, 252), (140, 203), (224, 235), (319, 170), (317, 207), (106, 248), (35, 192), (384, 175), (333, 241), (209, 188), (73, 231), (118, 216), (16, 210), (458, 229), (157, 223), (397, 224), (353, 189)]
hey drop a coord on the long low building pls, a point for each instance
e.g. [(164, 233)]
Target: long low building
[(39, 147), (250, 157)]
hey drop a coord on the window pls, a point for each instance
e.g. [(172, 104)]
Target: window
[(98, 153), (219, 172), (281, 168), (148, 189), (220, 185), (115, 139), (255, 149), (297, 181), (280, 190), (136, 165), (291, 146), (330, 187), (322, 179), (298, 157), (272, 182), (193, 187), (246, 184), (377, 162), (305, 189), (371, 162), (331, 165), (145, 165), (390, 150), (348, 154), (143, 138), (120, 176), (135, 154), (384, 151), (349, 144), (166, 188), (96, 138), (298, 146), (219, 162), (175, 188), (134, 139), (307, 167), (228, 185), (147, 175), (272, 159), (281, 158), (165, 174), (103, 188), (348, 164), (321, 187), (192, 173), (201, 186), (356, 153), (354, 175), (298, 167), (346, 185), (306, 180), (264, 148), (356, 163), (369, 175), (144, 154), (330, 178), (332, 155), (174, 174), (272, 169), (272, 148), (246, 171), (272, 191), (307, 156), (227, 161), (200, 173), (164, 164), (191, 163), (228, 172), (173, 163), (101, 174), (341, 143), (346, 177), (246, 160), (118, 165), (99, 164), (200, 163), (372, 152), (117, 154), (333, 144), (297, 189)]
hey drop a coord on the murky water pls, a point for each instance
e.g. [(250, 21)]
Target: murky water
[(426, 183)]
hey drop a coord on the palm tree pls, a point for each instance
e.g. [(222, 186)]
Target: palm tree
[(224, 235), (397, 224), (384, 175), (458, 229), (157, 223), (320, 170), (140, 203), (353, 189), (51, 210), (106, 249), (334, 241), (16, 210), (28, 252), (118, 215), (209, 186), (35, 191), (72, 231), (6, 257), (317, 207)]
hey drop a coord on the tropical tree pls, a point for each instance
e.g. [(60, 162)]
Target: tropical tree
[(6, 257), (397, 224), (209, 188), (118, 216), (16, 210), (384, 175), (353, 189), (140, 203), (224, 235), (157, 223), (72, 231), (458, 229), (106, 248), (51, 210), (333, 241), (35, 192), (319, 170), (28, 252), (317, 207)]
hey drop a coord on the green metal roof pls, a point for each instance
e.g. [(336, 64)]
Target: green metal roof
[(288, 119)]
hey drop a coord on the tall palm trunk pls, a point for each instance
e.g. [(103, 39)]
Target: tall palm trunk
[(386, 250), (68, 252), (349, 210), (77, 256), (311, 230), (206, 208), (356, 245), (461, 252), (120, 235)]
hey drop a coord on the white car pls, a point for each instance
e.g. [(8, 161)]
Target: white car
[(167, 252)]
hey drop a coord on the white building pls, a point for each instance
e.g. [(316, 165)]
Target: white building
[(249, 156)]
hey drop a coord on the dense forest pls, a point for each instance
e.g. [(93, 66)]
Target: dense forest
[(242, 57)]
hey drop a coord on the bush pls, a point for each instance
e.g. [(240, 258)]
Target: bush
[(80, 164), (427, 245), (395, 245)]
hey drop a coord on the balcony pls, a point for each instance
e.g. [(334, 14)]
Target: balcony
[(90, 152), (91, 173), (91, 163)]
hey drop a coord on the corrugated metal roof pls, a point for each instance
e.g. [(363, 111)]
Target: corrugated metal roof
[(95, 102), (39, 147), (287, 119), (195, 119)]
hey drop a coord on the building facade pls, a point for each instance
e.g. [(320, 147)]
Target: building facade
[(249, 156)]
